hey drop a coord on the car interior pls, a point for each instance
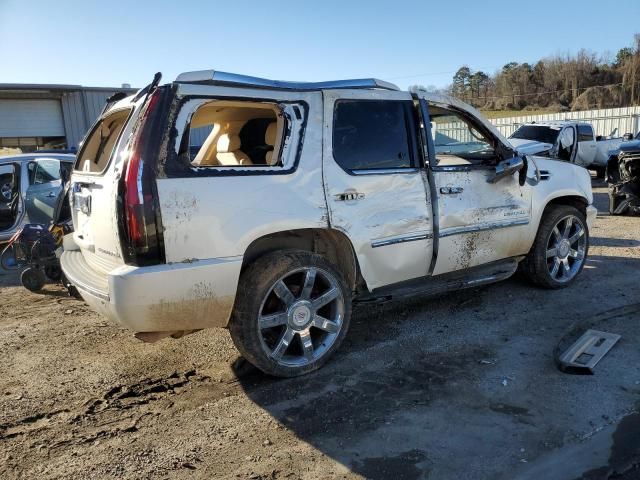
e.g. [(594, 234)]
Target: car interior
[(234, 134), (457, 142), (96, 152), (9, 195)]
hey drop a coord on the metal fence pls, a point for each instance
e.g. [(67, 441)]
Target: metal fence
[(604, 121)]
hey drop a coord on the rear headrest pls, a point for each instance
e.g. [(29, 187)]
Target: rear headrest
[(270, 134), (228, 143)]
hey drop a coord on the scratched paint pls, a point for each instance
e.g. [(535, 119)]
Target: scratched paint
[(209, 221), (393, 205)]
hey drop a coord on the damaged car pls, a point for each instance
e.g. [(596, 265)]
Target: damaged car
[(571, 141), (270, 208), (33, 190), (623, 178)]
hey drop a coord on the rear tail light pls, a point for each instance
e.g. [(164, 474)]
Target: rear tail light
[(141, 224)]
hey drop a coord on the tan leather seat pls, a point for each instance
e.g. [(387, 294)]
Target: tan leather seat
[(270, 139), (229, 152)]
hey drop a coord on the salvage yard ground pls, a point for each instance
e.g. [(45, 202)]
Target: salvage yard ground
[(462, 387)]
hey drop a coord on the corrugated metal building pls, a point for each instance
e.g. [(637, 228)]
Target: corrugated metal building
[(49, 116)]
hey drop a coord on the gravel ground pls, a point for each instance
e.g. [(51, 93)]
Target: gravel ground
[(461, 386)]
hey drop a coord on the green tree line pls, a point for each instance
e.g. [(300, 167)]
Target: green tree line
[(579, 81)]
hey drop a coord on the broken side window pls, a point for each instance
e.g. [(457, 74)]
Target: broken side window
[(457, 141), (234, 134), (98, 147)]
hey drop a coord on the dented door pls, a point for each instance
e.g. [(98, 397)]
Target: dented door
[(374, 184), (478, 221)]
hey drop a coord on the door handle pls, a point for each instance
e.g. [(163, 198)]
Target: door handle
[(349, 195), (451, 190), (51, 195)]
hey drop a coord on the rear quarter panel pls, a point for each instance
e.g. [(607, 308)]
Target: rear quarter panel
[(219, 216)]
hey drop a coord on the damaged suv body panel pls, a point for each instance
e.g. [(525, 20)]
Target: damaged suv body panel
[(419, 186), (226, 201), (384, 209)]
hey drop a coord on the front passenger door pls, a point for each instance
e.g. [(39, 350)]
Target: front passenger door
[(44, 191), (478, 222)]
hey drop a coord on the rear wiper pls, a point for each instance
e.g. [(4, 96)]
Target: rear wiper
[(145, 91)]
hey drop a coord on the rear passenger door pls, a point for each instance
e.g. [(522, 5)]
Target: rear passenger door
[(375, 189)]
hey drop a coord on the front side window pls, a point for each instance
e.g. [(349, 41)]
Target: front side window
[(585, 133), (372, 134), (457, 141), (46, 171)]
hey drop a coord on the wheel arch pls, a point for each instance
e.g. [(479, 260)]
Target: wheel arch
[(577, 201), (333, 244)]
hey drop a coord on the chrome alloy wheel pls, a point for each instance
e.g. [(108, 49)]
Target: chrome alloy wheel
[(566, 248), (301, 316)]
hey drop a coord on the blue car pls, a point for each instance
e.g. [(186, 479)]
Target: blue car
[(33, 190)]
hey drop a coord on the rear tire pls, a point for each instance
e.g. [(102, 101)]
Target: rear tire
[(560, 249), (292, 312), (32, 279)]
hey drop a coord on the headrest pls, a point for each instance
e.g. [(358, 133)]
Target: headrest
[(228, 143), (270, 134)]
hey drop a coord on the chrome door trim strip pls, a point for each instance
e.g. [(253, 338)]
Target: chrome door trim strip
[(446, 232), (384, 171), (403, 239)]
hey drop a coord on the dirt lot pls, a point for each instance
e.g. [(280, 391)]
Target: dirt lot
[(462, 386)]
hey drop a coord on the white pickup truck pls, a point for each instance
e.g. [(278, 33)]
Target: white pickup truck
[(268, 207), (567, 140)]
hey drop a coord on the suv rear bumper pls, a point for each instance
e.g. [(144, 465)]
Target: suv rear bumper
[(161, 298)]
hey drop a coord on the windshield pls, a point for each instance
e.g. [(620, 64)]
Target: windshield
[(538, 133)]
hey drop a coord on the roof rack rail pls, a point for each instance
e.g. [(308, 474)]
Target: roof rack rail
[(214, 77)]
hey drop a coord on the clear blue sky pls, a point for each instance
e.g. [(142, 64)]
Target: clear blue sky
[(109, 42)]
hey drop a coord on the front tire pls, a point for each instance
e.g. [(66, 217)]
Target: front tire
[(560, 249), (292, 312)]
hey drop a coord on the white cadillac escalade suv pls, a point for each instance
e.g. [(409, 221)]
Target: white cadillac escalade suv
[(270, 207)]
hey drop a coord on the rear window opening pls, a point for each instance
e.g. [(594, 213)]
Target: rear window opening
[(98, 147), (234, 134)]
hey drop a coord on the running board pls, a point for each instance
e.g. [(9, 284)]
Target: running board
[(437, 285), (587, 351)]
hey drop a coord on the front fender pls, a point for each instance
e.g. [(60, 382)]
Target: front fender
[(555, 180)]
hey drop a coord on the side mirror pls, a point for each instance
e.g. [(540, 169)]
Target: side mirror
[(506, 168), (627, 136)]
